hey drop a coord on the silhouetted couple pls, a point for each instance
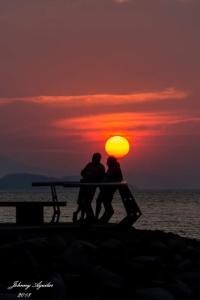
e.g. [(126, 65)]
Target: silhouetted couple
[(95, 172)]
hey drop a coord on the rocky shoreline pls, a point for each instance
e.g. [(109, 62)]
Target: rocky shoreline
[(100, 263)]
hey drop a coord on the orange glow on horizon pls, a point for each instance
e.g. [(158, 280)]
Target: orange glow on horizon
[(117, 146)]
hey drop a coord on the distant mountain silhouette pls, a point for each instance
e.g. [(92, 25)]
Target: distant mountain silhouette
[(12, 166), (24, 180)]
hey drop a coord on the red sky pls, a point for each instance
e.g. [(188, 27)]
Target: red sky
[(74, 72)]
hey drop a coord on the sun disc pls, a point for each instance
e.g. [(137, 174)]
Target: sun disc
[(117, 146)]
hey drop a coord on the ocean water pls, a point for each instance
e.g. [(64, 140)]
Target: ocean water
[(170, 211)]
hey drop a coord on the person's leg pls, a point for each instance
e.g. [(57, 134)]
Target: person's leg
[(107, 201), (88, 211), (90, 194), (99, 202), (87, 207), (78, 209), (80, 206), (75, 214), (109, 211), (82, 215)]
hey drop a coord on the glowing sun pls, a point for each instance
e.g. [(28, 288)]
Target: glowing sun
[(117, 146)]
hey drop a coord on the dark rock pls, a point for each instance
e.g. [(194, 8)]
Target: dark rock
[(56, 244), (143, 268), (90, 247), (77, 259), (135, 268), (111, 245), (177, 244), (22, 263), (10, 248), (185, 265), (147, 260), (153, 294), (158, 247), (192, 279), (8, 297), (103, 278), (180, 290)]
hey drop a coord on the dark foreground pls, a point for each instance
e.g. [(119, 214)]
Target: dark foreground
[(102, 262)]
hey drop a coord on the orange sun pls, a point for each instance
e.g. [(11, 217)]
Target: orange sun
[(117, 146)]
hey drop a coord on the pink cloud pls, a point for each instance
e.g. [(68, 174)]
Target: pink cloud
[(99, 99), (121, 1)]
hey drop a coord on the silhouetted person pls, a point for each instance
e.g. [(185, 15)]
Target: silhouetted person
[(94, 171), (113, 174)]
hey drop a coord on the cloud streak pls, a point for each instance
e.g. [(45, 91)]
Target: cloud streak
[(121, 1), (129, 124), (99, 99)]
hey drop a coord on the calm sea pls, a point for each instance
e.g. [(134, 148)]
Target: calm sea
[(171, 211)]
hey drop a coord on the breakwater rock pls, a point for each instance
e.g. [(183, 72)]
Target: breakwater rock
[(99, 263)]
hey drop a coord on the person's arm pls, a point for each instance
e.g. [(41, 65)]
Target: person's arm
[(103, 172), (84, 172), (120, 177), (114, 175)]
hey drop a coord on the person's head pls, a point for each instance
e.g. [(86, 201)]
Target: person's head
[(112, 162), (96, 158)]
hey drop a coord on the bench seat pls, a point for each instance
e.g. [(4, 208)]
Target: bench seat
[(35, 203), (30, 212)]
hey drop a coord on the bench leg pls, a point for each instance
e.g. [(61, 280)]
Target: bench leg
[(56, 208), (29, 215)]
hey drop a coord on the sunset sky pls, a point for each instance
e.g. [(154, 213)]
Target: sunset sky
[(75, 72)]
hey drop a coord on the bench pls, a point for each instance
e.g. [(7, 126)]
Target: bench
[(32, 212)]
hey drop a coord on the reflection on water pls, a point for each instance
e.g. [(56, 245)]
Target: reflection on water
[(176, 212)]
